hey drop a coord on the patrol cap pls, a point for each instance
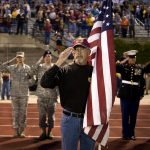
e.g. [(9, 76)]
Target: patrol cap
[(132, 53), (46, 52), (81, 42), (20, 54)]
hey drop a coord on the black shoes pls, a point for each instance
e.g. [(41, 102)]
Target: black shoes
[(50, 136), (125, 138), (42, 137), (133, 138)]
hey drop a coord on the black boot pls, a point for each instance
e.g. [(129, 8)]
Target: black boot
[(43, 135), (16, 133), (21, 132), (49, 134)]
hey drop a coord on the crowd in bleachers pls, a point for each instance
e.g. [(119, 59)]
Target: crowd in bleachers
[(77, 17), (14, 16)]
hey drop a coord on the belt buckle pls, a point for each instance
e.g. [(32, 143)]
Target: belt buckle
[(79, 115)]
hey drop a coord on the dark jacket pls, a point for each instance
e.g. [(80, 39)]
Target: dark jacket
[(134, 75), (73, 82)]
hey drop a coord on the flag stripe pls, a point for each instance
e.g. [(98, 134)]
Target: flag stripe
[(92, 131), (102, 131), (112, 63), (89, 112), (94, 93), (106, 70), (101, 90), (94, 43), (95, 30)]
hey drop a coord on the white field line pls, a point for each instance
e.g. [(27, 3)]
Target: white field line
[(112, 127), (60, 137)]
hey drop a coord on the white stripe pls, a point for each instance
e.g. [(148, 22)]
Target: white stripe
[(94, 49), (105, 137), (94, 37), (97, 132), (87, 129), (93, 62), (95, 98), (97, 24), (106, 73), (85, 118)]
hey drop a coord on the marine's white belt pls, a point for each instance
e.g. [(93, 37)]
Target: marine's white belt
[(130, 82)]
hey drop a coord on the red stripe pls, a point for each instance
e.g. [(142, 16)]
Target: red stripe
[(89, 110), (101, 89), (112, 63), (94, 43), (92, 131), (102, 133), (93, 56), (95, 31)]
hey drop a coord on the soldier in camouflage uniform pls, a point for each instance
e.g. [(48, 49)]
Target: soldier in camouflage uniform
[(46, 97), (19, 92)]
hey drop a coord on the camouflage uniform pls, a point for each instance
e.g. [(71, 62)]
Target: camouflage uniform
[(46, 99), (19, 93)]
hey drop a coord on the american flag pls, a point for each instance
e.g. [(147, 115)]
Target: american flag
[(102, 90)]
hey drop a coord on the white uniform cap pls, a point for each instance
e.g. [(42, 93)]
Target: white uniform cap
[(132, 53)]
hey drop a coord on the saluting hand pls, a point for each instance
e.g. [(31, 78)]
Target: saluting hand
[(124, 61), (63, 56)]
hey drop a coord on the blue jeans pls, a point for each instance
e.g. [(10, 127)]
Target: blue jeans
[(47, 38), (72, 133), (5, 89)]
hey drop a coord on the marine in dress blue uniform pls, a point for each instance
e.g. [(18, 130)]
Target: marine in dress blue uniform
[(130, 93)]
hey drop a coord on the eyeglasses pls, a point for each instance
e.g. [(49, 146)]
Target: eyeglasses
[(132, 57), (79, 48)]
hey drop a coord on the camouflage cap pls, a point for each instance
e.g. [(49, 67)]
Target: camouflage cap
[(20, 54)]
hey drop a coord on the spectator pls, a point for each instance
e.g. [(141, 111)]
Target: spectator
[(132, 26), (147, 77), (47, 29), (5, 85), (40, 18), (117, 20), (20, 22), (58, 43), (124, 26), (72, 28), (69, 38), (147, 80), (90, 21)]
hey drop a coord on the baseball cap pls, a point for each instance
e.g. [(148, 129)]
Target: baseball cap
[(81, 42)]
